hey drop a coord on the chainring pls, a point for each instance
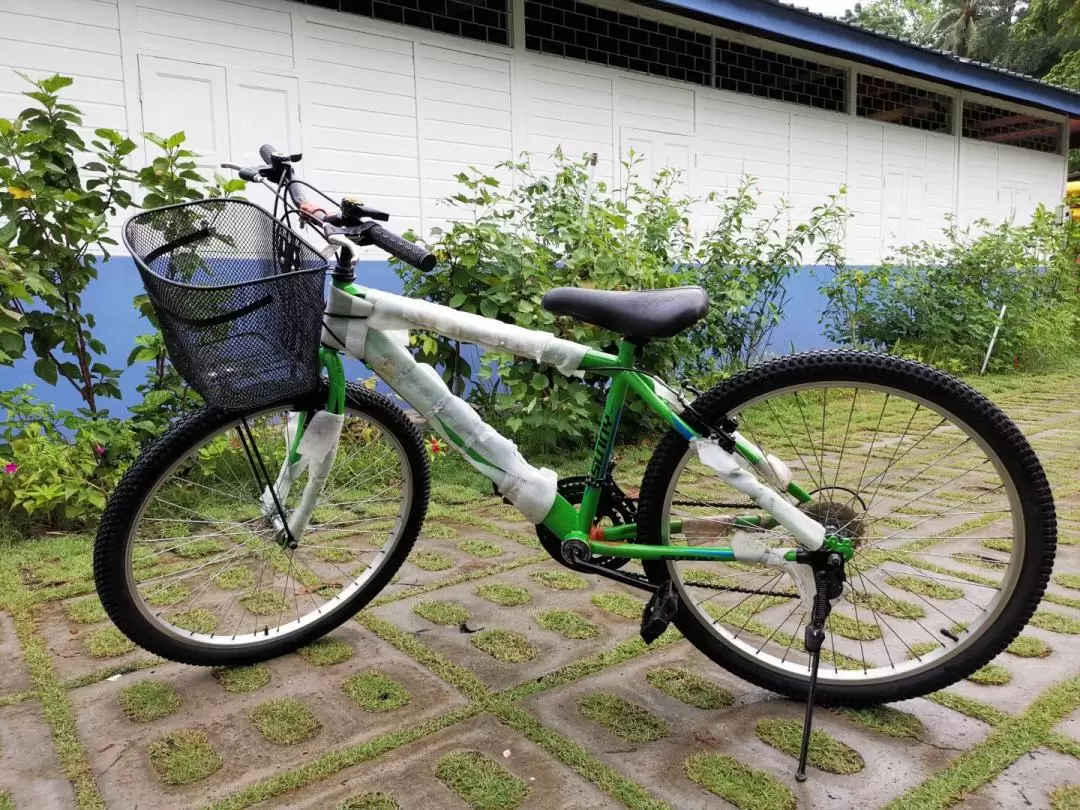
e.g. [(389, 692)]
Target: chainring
[(615, 505)]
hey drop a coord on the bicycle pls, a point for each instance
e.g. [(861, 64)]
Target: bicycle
[(914, 550)]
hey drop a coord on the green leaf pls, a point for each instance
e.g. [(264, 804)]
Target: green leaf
[(46, 370), (488, 308), (55, 83), (539, 381), (457, 300)]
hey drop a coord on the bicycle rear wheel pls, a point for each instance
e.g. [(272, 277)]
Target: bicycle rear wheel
[(188, 567), (948, 508)]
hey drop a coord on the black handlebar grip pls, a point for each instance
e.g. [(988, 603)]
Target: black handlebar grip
[(265, 152), (402, 249)]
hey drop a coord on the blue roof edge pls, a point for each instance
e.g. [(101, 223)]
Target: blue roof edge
[(816, 32)]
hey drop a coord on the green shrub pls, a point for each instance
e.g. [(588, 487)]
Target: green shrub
[(940, 301)]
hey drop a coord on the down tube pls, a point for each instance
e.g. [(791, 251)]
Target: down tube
[(531, 490)]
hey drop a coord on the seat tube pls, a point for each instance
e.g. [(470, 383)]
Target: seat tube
[(605, 440)]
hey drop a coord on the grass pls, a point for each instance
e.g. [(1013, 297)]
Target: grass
[(1068, 580), (559, 580), (108, 642), (196, 620), (6, 802), (326, 651), (265, 603), (567, 623), (334, 554), (885, 719), (375, 692), (145, 701), (369, 801), (438, 531), (165, 595), (620, 604), (438, 611), (880, 603), (286, 721), (998, 544), (233, 579), (689, 688), (623, 718), (480, 781), (980, 560), (504, 595), (183, 757), (745, 787), (924, 587), (242, 679), (991, 675), (1055, 622), (1065, 798), (504, 645), (851, 628), (1029, 647), (480, 548), (86, 611), (430, 561), (826, 752)]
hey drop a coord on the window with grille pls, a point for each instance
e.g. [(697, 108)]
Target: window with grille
[(760, 72), (485, 20), (594, 34), (895, 103), (985, 122)]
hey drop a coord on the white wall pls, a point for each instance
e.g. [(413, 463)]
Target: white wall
[(393, 113)]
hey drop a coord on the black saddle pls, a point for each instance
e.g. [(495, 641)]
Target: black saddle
[(641, 314)]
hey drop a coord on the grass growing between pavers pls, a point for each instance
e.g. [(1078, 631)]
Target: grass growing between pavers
[(101, 674), (6, 802), (567, 623), (622, 718), (264, 603), (503, 595), (458, 579), (745, 787), (1055, 622), (373, 691), (504, 645), (619, 604), (242, 679), (480, 548), (559, 580), (1066, 798), (689, 688), (991, 675), (196, 620), (880, 603), (183, 757), (1011, 739), (369, 801), (1068, 580), (826, 752), (326, 651), (480, 781), (438, 611), (924, 587), (431, 561), (1029, 647), (232, 579), (108, 642), (886, 720), (851, 628), (286, 721), (86, 611), (145, 701)]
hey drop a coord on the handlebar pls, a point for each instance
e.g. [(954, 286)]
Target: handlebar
[(367, 231)]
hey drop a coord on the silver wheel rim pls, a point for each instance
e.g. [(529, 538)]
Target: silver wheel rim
[(791, 661), (254, 622)]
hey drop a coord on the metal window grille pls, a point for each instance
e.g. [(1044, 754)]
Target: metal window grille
[(593, 34), (761, 72), (892, 102), (985, 122), (485, 20)]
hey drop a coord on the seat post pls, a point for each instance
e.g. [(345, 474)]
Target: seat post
[(628, 350)]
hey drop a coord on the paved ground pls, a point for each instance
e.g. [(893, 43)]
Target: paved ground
[(431, 720)]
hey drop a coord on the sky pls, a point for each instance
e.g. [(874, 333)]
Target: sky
[(834, 8)]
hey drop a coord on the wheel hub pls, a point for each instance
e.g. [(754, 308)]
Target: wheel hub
[(837, 512)]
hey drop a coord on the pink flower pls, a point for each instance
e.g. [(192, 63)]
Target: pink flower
[(99, 450), (11, 468)]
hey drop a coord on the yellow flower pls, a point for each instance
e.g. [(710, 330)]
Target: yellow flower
[(19, 193)]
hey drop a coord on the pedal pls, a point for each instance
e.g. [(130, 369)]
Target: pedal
[(658, 613)]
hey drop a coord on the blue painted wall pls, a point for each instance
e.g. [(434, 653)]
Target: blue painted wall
[(109, 299)]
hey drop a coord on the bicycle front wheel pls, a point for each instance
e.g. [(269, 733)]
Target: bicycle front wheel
[(944, 500), (190, 567)]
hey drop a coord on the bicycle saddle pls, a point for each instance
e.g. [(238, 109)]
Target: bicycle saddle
[(639, 313)]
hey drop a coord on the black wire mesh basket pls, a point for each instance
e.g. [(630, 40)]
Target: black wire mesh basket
[(239, 298)]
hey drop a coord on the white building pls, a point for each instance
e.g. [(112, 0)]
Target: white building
[(390, 98)]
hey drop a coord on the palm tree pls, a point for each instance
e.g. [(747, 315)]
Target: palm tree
[(957, 28)]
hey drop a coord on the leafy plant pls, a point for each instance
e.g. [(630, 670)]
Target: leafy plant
[(55, 219), (940, 301)]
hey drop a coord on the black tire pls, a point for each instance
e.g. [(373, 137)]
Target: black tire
[(115, 533), (948, 394)]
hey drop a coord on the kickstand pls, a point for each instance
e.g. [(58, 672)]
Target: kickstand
[(813, 639)]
